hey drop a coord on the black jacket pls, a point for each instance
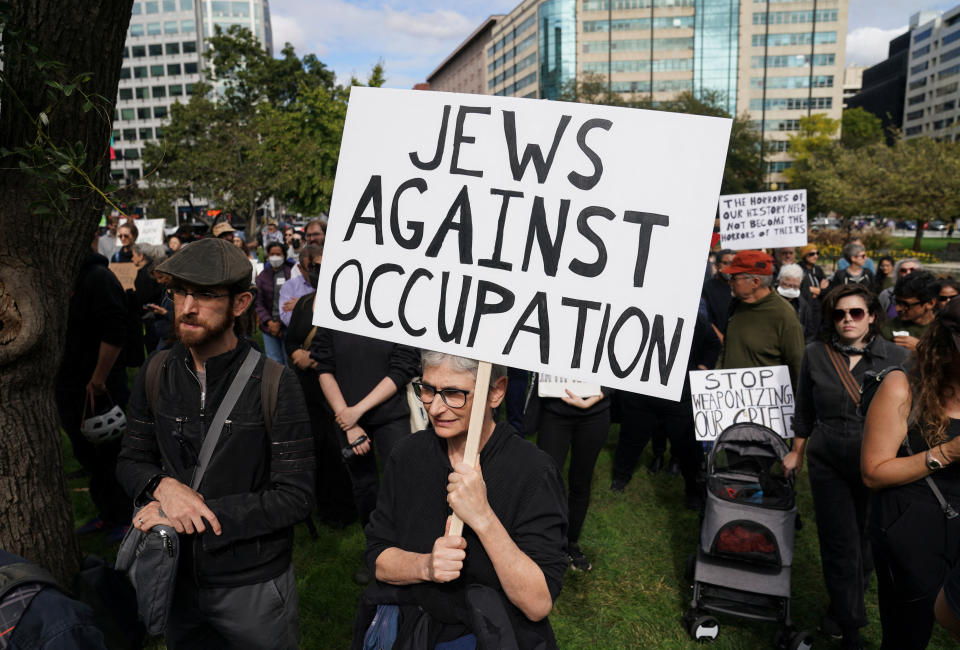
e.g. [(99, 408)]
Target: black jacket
[(258, 483)]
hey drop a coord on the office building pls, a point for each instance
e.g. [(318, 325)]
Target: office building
[(162, 63), (775, 61), (933, 75), (883, 90), (463, 70)]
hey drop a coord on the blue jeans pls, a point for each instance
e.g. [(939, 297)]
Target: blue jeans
[(273, 348)]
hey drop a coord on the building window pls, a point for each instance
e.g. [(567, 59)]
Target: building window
[(169, 5), (140, 72), (126, 93), (778, 166), (155, 50), (943, 74), (138, 51), (804, 81), (190, 68), (172, 48), (791, 60), (136, 29), (137, 9), (176, 90), (170, 27), (131, 154), (127, 114), (159, 132), (638, 45), (153, 29), (146, 133), (220, 8), (240, 9), (919, 67), (795, 17), (189, 47), (126, 52), (919, 36), (142, 93), (916, 99), (920, 51), (791, 103), (950, 38), (945, 106), (156, 70), (187, 27), (797, 38), (943, 90), (638, 24), (130, 134), (159, 111), (638, 65), (115, 135), (190, 88), (186, 5), (159, 91), (152, 6), (173, 69), (143, 113), (913, 130), (604, 5), (124, 73), (915, 115)]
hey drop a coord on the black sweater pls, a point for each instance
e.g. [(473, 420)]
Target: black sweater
[(359, 363), (524, 488)]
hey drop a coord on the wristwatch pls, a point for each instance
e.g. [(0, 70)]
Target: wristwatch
[(932, 463)]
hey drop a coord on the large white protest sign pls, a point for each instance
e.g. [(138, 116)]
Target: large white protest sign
[(763, 220), (550, 236), (724, 397), (150, 231)]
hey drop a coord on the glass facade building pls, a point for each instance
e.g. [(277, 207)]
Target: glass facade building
[(557, 23), (716, 37)]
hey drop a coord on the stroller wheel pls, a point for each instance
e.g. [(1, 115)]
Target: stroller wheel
[(702, 628), (802, 640)]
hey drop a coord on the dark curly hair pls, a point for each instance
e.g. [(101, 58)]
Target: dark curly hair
[(930, 381), (827, 326)]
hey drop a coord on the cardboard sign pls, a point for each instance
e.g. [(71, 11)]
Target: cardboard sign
[(725, 397), (550, 236), (150, 231), (763, 220), (126, 272), (554, 386)]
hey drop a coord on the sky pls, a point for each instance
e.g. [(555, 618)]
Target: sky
[(411, 37)]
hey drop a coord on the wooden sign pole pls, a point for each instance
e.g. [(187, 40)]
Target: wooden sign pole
[(472, 448)]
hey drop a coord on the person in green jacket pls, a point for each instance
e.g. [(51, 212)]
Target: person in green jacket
[(763, 329)]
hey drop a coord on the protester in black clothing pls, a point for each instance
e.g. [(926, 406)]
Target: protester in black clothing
[(364, 381), (885, 277), (334, 497), (915, 543), (150, 294), (508, 565), (93, 371), (814, 278), (643, 414), (829, 429), (716, 295), (578, 426), (127, 234)]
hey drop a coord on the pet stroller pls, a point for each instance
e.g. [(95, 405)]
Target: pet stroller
[(742, 564)]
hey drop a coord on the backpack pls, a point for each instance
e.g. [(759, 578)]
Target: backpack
[(269, 385), (19, 583)]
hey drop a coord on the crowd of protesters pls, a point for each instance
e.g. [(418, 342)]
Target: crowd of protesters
[(355, 394)]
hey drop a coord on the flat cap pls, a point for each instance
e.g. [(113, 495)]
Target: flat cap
[(221, 228), (209, 263), (752, 262)]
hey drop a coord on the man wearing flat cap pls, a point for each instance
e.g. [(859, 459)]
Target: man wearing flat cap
[(763, 328), (235, 585)]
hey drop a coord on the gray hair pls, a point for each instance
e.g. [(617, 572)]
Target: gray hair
[(765, 280), (432, 359), (310, 252), (913, 260), (852, 249), (788, 271), (318, 220)]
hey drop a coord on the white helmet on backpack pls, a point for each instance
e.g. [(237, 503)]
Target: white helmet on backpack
[(105, 426)]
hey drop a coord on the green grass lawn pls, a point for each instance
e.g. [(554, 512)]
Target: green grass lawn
[(634, 597), (930, 244)]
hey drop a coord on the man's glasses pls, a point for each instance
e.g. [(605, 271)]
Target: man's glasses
[(903, 304), (906, 270), (945, 298), (202, 297), (453, 397), (857, 314)]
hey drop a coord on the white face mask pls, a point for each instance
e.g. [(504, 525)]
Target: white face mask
[(276, 261), (788, 293)]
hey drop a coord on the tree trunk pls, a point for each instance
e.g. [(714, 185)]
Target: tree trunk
[(918, 237), (41, 248)]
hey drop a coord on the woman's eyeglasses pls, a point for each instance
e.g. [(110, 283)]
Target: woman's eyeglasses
[(857, 314), (455, 398)]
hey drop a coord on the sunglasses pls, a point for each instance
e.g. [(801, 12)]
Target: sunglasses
[(812, 254), (945, 298), (903, 304), (857, 314), (907, 271)]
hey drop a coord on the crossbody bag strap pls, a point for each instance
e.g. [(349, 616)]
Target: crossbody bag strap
[(945, 507), (216, 426), (850, 383)]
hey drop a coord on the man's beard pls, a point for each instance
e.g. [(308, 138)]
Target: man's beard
[(210, 330)]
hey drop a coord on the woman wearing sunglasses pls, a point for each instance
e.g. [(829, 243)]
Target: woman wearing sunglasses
[(829, 429)]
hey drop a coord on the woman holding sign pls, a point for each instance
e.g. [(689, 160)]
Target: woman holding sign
[(829, 429), (498, 579)]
